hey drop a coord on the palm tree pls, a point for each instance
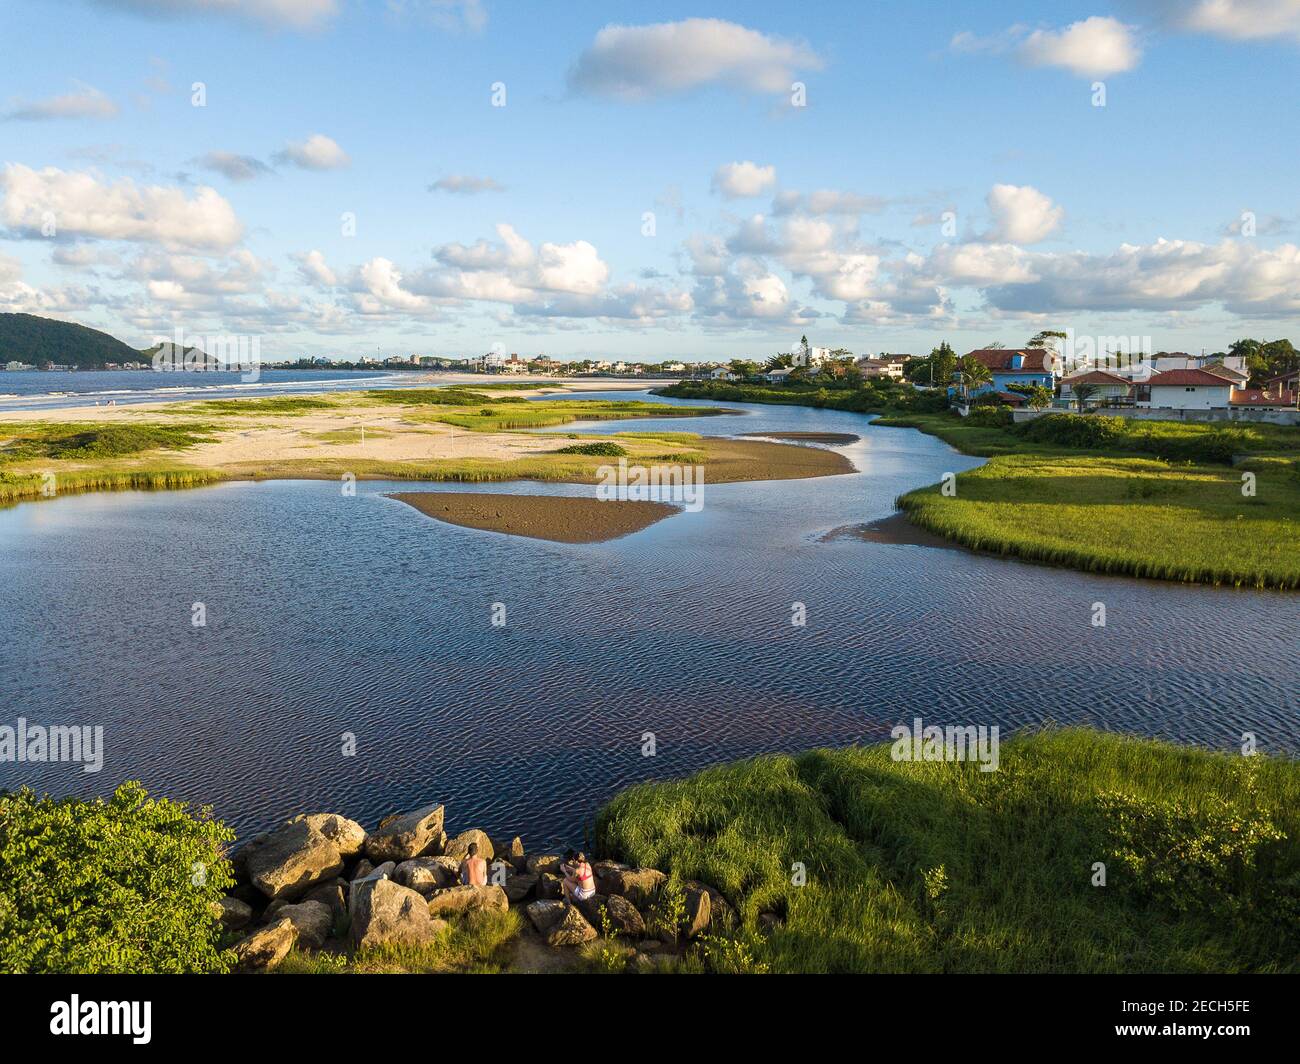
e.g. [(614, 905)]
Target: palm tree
[(1082, 393), (972, 373)]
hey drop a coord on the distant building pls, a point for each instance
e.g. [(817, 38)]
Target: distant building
[(1108, 389), (875, 368)]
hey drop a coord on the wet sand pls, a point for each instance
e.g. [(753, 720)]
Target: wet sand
[(895, 528), (557, 518)]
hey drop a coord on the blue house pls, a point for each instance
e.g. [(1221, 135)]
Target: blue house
[(1022, 366)]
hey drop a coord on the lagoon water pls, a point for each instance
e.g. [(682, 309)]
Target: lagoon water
[(329, 615)]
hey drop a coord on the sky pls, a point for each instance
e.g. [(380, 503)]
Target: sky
[(651, 180)]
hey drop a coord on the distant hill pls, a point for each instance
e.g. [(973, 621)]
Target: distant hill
[(35, 340)]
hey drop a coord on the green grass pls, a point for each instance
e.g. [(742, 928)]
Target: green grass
[(29, 441), (276, 404), (548, 413), (938, 867), (1118, 510), (599, 448)]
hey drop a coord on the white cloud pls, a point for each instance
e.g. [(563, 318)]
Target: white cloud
[(293, 14), (80, 205), (1238, 20), (85, 101), (1095, 47), (638, 62), (466, 185), (315, 270), (1021, 215), (445, 14), (828, 201), (739, 180), (317, 152), (235, 167)]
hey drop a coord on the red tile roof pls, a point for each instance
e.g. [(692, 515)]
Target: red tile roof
[(999, 359), (1097, 376), (1011, 398), (1186, 377), (1228, 374)]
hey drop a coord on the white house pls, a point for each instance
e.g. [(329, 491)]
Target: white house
[(777, 376), (1107, 388), (1186, 389), (880, 367), (722, 373)]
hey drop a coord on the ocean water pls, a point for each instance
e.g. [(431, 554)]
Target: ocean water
[(329, 616)]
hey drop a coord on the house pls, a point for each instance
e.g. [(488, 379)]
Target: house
[(1008, 366), (807, 355), (874, 368), (1238, 378), (722, 373), (1273, 398), (1185, 389), (1108, 389), (674, 367), (778, 376)]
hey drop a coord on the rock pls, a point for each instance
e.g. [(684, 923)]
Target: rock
[(572, 929), (384, 911), (407, 835), (550, 887), (637, 885), (334, 895), (314, 921), (605, 871), (536, 863), (520, 887), (467, 899), (699, 910), (425, 874), (363, 868), (233, 913), (723, 916), (264, 949), (511, 850), (272, 912), (301, 852), (459, 846), (545, 914), (623, 917)]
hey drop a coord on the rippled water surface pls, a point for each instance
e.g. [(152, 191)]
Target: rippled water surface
[(329, 615)]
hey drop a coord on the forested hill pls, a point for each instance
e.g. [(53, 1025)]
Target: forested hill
[(35, 340)]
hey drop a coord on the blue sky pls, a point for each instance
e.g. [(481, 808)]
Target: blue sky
[(125, 206)]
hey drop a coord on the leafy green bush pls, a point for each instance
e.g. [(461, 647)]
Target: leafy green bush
[(990, 417), (123, 885), (1089, 431), (602, 450)]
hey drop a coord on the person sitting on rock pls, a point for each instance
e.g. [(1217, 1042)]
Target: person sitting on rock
[(473, 870), (579, 880)]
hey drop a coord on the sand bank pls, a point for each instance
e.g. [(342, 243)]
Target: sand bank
[(557, 518)]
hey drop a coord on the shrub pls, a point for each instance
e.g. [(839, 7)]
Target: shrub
[(123, 885), (601, 450), (990, 417), (1089, 431)]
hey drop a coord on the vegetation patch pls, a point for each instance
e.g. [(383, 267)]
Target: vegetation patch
[(603, 449)]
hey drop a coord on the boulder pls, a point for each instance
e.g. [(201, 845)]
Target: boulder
[(511, 850), (458, 847), (637, 885), (264, 949), (623, 916), (467, 899), (572, 929), (550, 887), (233, 913), (723, 916), (314, 921), (545, 914), (362, 869), (405, 835), (384, 911), (699, 910), (537, 863), (333, 894), (605, 871), (304, 851), (520, 887), (425, 874)]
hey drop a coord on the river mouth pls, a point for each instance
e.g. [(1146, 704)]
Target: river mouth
[(329, 615)]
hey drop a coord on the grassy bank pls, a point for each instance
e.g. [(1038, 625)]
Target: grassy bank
[(1119, 507), (938, 867), (871, 397)]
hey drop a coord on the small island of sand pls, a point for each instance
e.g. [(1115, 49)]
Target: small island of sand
[(559, 518)]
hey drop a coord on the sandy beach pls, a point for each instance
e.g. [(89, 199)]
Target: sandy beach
[(557, 518)]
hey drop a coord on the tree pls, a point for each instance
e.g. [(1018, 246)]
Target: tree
[(743, 367), (937, 368), (972, 373), (1038, 397), (1082, 393), (779, 362), (1045, 338), (123, 885)]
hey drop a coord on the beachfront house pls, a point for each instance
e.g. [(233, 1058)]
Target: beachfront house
[(1104, 389), (1007, 366)]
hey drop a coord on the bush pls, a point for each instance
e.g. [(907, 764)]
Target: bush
[(123, 885), (990, 417), (1090, 431), (601, 450)]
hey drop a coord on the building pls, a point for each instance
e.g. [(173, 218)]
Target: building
[(778, 376), (1271, 398), (722, 373), (876, 368), (1185, 389), (14, 367), (1108, 389), (1025, 366)]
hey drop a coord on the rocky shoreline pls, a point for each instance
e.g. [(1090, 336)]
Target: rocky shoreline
[(322, 882)]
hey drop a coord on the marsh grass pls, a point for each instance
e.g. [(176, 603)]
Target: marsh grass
[(275, 404), (938, 867)]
